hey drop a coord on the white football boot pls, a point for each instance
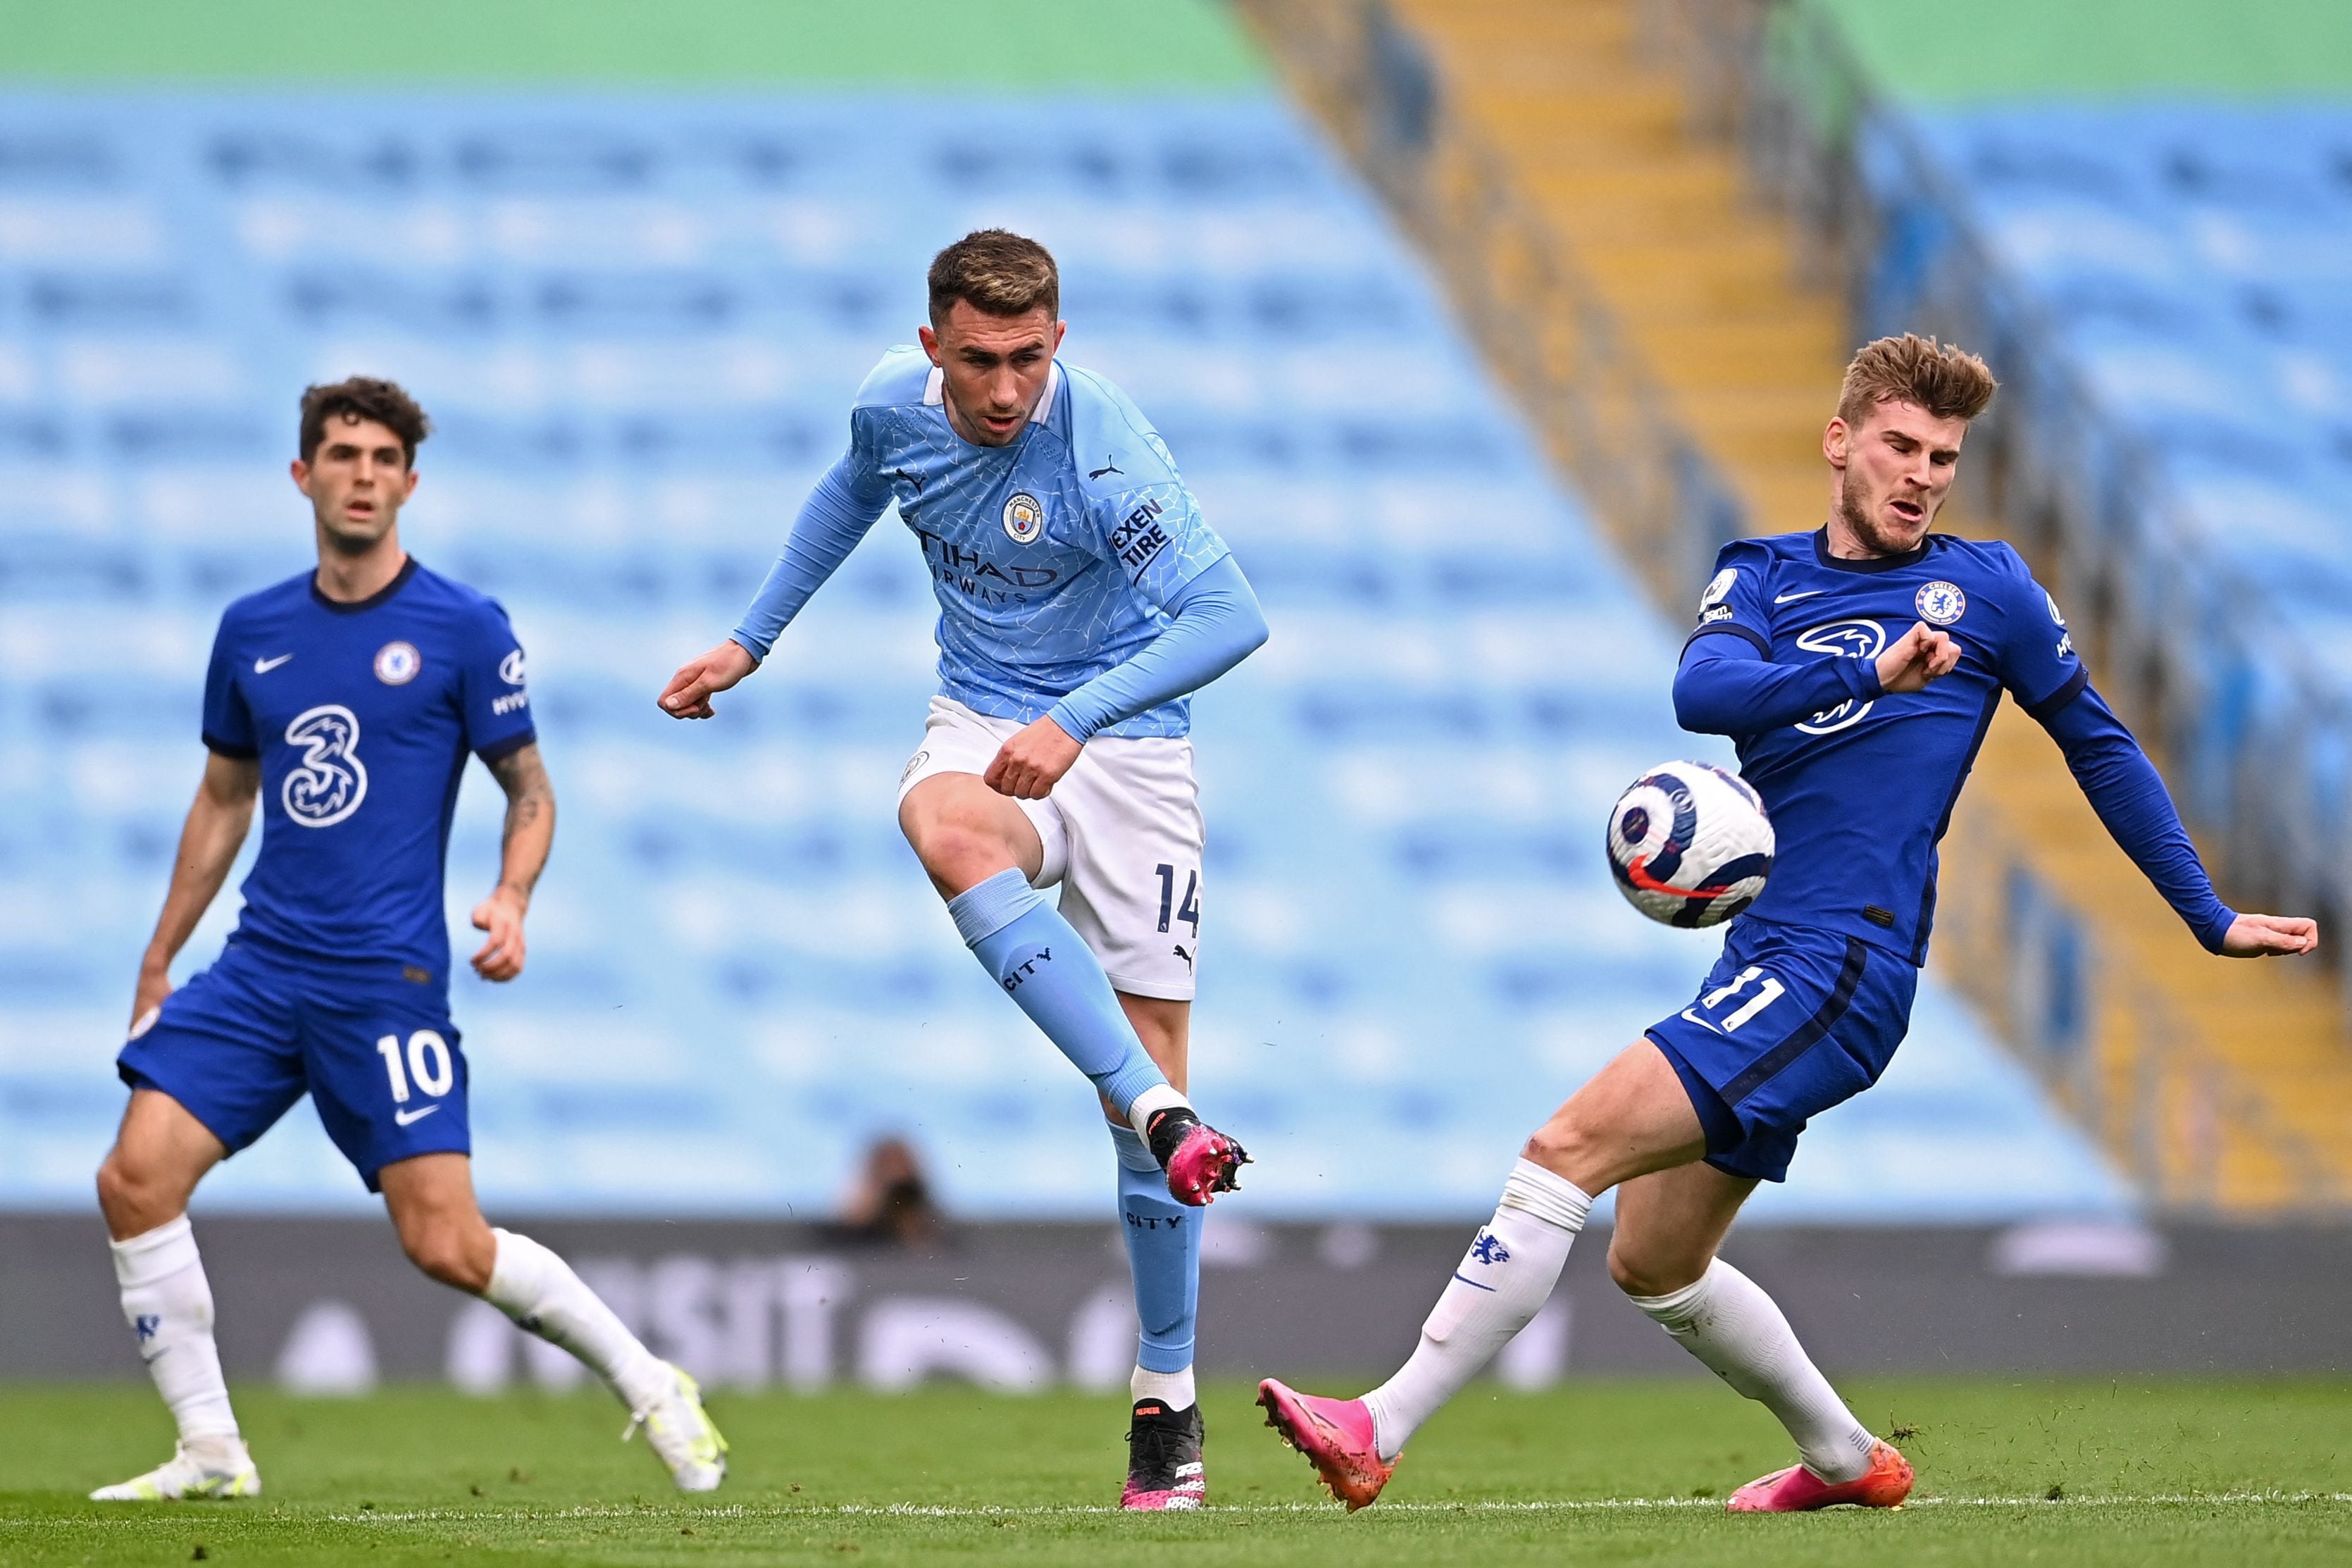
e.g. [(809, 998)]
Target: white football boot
[(682, 1436), (221, 1469)]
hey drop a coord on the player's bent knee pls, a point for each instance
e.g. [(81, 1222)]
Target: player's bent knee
[(961, 853), (1650, 1276), (449, 1264), (118, 1195), (442, 1253), (1562, 1147), (134, 1197)]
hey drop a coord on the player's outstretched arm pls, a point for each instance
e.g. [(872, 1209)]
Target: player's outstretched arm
[(2124, 787), (209, 840), (698, 680), (838, 512), (522, 855)]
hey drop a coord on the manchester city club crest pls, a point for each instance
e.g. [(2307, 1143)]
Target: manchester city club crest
[(1025, 520), (396, 663), (1941, 603)]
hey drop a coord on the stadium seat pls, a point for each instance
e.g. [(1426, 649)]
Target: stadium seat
[(638, 324)]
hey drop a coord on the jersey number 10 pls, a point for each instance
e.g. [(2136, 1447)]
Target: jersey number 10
[(428, 1065)]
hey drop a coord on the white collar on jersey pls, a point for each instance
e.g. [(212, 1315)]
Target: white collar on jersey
[(935, 391)]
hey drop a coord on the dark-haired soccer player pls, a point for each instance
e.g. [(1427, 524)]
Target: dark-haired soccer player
[(346, 698), (1857, 666), (1081, 598)]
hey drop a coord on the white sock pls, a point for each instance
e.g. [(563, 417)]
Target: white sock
[(1173, 1389), (539, 1292), (1159, 1097), (1725, 1319), (168, 1304), (1503, 1282)]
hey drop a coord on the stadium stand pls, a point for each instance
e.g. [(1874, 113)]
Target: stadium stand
[(2167, 281), (1640, 135), (638, 323)]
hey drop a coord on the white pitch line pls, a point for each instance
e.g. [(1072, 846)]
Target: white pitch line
[(1558, 1505)]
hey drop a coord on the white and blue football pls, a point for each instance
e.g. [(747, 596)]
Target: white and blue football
[(1689, 843)]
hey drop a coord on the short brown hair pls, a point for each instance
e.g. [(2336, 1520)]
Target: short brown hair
[(1948, 383), (364, 397), (998, 271)]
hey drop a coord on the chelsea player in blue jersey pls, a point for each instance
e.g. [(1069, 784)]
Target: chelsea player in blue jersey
[(1857, 666), (1082, 596), (346, 699)]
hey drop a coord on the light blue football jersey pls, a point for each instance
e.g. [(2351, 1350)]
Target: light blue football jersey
[(1051, 557)]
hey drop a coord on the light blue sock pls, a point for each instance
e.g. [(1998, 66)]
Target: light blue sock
[(1044, 966), (1163, 1252)]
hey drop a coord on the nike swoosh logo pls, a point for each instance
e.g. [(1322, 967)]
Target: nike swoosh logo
[(1808, 593), (406, 1117), (264, 666)]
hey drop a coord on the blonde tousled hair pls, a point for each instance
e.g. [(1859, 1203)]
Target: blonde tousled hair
[(1947, 381)]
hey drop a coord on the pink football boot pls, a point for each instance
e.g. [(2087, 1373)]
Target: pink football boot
[(1336, 1436), (1200, 1162), (1797, 1489)]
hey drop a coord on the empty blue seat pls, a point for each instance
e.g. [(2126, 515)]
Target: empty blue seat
[(639, 324)]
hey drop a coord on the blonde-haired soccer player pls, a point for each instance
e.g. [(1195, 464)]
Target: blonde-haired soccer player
[(1857, 666)]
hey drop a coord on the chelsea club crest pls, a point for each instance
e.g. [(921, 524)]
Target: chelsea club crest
[(1025, 520), (1941, 603), (396, 663)]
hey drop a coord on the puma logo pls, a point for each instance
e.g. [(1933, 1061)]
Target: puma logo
[(1186, 957), (1110, 465), (912, 478)]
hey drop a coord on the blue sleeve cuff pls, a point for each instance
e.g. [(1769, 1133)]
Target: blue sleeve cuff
[(1860, 676), (2216, 927), (499, 751), (1067, 719)]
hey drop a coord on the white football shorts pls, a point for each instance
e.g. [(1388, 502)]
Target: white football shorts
[(1123, 837)]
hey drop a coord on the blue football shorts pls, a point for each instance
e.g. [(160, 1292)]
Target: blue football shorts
[(243, 1040), (1791, 1021)]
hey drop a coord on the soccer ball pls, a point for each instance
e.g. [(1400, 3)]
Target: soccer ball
[(1689, 843)]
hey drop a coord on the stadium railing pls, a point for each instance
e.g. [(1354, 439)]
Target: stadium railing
[(2173, 1108), (2182, 644), (2194, 1132), (1541, 323)]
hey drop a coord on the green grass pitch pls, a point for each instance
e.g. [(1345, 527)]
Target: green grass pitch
[(2131, 1472)]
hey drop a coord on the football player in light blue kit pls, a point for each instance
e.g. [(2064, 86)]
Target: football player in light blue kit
[(1081, 598), (347, 701)]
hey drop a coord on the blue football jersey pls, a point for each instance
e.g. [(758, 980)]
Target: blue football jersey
[(1861, 794), (361, 716), (1051, 557)]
